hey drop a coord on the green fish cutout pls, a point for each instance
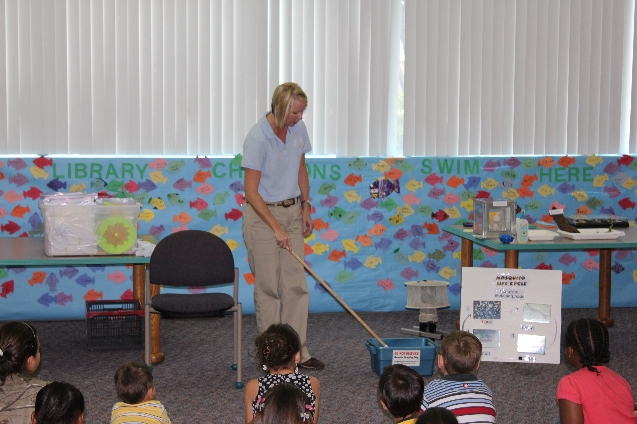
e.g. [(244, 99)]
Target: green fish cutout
[(529, 163), (350, 217), (533, 205), (633, 165), (207, 214), (176, 165), (237, 159), (405, 166), (175, 199), (344, 276), (327, 188), (123, 194), (425, 210), (437, 255), (141, 197), (509, 173), (3, 273), (358, 164), (594, 203), (465, 195), (478, 255), (401, 258), (115, 185), (220, 198), (337, 213), (389, 204)]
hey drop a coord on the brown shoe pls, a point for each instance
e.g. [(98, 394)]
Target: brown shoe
[(312, 364)]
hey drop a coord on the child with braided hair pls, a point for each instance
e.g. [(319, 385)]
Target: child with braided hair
[(279, 353), (592, 394)]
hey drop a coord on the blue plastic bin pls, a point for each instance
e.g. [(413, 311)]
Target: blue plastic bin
[(417, 353)]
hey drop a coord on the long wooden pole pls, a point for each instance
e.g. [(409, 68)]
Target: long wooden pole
[(330, 291)]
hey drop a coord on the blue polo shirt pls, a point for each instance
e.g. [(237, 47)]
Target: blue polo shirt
[(278, 162)]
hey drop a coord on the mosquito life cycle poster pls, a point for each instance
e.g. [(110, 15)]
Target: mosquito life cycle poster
[(516, 313)]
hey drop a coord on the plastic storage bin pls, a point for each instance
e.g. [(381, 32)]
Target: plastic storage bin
[(114, 325), (86, 225), (492, 218), (417, 353)]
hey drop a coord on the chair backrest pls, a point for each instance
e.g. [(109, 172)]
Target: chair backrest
[(191, 258)]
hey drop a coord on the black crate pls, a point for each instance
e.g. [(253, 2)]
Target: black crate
[(114, 325)]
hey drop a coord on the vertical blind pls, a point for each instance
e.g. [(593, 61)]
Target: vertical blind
[(190, 77)]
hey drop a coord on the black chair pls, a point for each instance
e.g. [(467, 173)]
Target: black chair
[(194, 258)]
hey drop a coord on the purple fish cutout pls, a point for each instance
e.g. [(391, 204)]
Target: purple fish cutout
[(353, 264), (69, 272), (417, 244), (46, 299), (52, 281), (409, 273), (431, 265), (62, 298), (330, 201), (84, 280), (488, 264), (369, 203)]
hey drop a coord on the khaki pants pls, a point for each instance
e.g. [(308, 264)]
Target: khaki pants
[(280, 289)]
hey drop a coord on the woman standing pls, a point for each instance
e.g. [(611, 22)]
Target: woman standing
[(277, 213)]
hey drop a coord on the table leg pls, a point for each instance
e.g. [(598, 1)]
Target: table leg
[(511, 259), (604, 287), (466, 259), (155, 320)]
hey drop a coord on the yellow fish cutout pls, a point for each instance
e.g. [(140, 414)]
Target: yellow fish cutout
[(629, 183), (632, 224), (580, 195), (414, 185), (320, 248), (158, 177), (310, 237), (511, 194), (157, 203), (146, 215), (218, 230), (489, 184), (405, 210), (38, 172), (373, 261), (600, 180), (396, 219), (76, 188), (447, 272), (352, 196), (418, 256), (350, 245), (457, 255), (453, 212), (467, 205), (594, 160), (381, 166), (232, 244), (635, 275), (545, 190)]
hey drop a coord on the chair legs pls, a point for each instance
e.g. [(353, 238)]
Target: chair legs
[(238, 314)]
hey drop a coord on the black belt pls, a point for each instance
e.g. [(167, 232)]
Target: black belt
[(285, 203)]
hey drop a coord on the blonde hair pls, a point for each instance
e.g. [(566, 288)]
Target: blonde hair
[(283, 98)]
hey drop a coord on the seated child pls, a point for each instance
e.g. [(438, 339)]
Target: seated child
[(58, 403), (437, 416), (460, 390), (593, 393), (400, 391), (284, 403), (134, 384), (19, 358), (279, 352)]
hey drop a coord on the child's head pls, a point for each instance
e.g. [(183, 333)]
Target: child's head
[(19, 349), (437, 416), (285, 403), (134, 382), (460, 352), (588, 338), (277, 347), (400, 390), (58, 403)]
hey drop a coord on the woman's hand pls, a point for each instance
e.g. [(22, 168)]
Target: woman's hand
[(283, 240), (308, 224)]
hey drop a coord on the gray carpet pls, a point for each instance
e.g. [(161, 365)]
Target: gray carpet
[(196, 384)]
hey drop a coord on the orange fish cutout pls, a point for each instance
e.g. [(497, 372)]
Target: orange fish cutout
[(547, 218), (364, 240), (525, 192), (377, 230), (201, 176), (93, 295), (394, 174), (431, 228), (527, 181), (183, 218), (455, 181), (547, 162), (37, 278), (1, 176), (566, 278), (336, 255), (249, 277), (307, 249), (319, 224), (566, 161), (352, 179), (20, 211), (584, 210)]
